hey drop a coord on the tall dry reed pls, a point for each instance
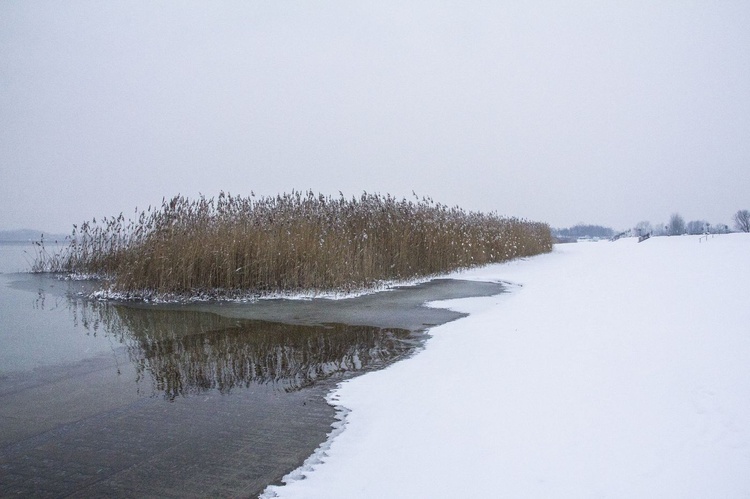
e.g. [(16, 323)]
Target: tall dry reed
[(288, 243)]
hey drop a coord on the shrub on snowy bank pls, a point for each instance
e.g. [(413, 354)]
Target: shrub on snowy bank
[(288, 243)]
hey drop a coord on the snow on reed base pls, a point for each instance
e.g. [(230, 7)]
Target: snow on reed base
[(235, 246), (614, 370)]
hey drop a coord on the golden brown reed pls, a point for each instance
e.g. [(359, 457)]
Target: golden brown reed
[(289, 243)]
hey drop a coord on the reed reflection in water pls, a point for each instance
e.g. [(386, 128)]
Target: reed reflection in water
[(187, 352)]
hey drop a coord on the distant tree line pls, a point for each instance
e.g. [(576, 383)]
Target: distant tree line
[(677, 226), (582, 230), (674, 227), (28, 235)]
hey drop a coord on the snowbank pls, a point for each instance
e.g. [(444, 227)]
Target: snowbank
[(613, 370)]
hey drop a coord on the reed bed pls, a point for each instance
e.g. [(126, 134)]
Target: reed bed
[(299, 242)]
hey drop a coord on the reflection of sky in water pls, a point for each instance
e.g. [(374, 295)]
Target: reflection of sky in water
[(179, 352), (16, 257), (36, 329)]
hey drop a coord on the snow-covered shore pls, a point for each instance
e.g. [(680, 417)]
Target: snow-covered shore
[(613, 370)]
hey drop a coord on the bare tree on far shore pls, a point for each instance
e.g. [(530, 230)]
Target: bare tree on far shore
[(742, 220), (676, 225)]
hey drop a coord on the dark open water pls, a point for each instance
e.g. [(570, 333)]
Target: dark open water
[(104, 399)]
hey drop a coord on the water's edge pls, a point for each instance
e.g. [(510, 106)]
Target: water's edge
[(294, 423)]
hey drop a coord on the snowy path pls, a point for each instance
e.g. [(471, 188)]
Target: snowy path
[(616, 370)]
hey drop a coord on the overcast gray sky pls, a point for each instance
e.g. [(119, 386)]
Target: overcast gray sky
[(607, 112)]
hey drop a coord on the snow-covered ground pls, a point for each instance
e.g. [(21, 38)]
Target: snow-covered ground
[(614, 369)]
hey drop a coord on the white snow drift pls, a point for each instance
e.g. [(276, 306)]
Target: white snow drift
[(613, 369)]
